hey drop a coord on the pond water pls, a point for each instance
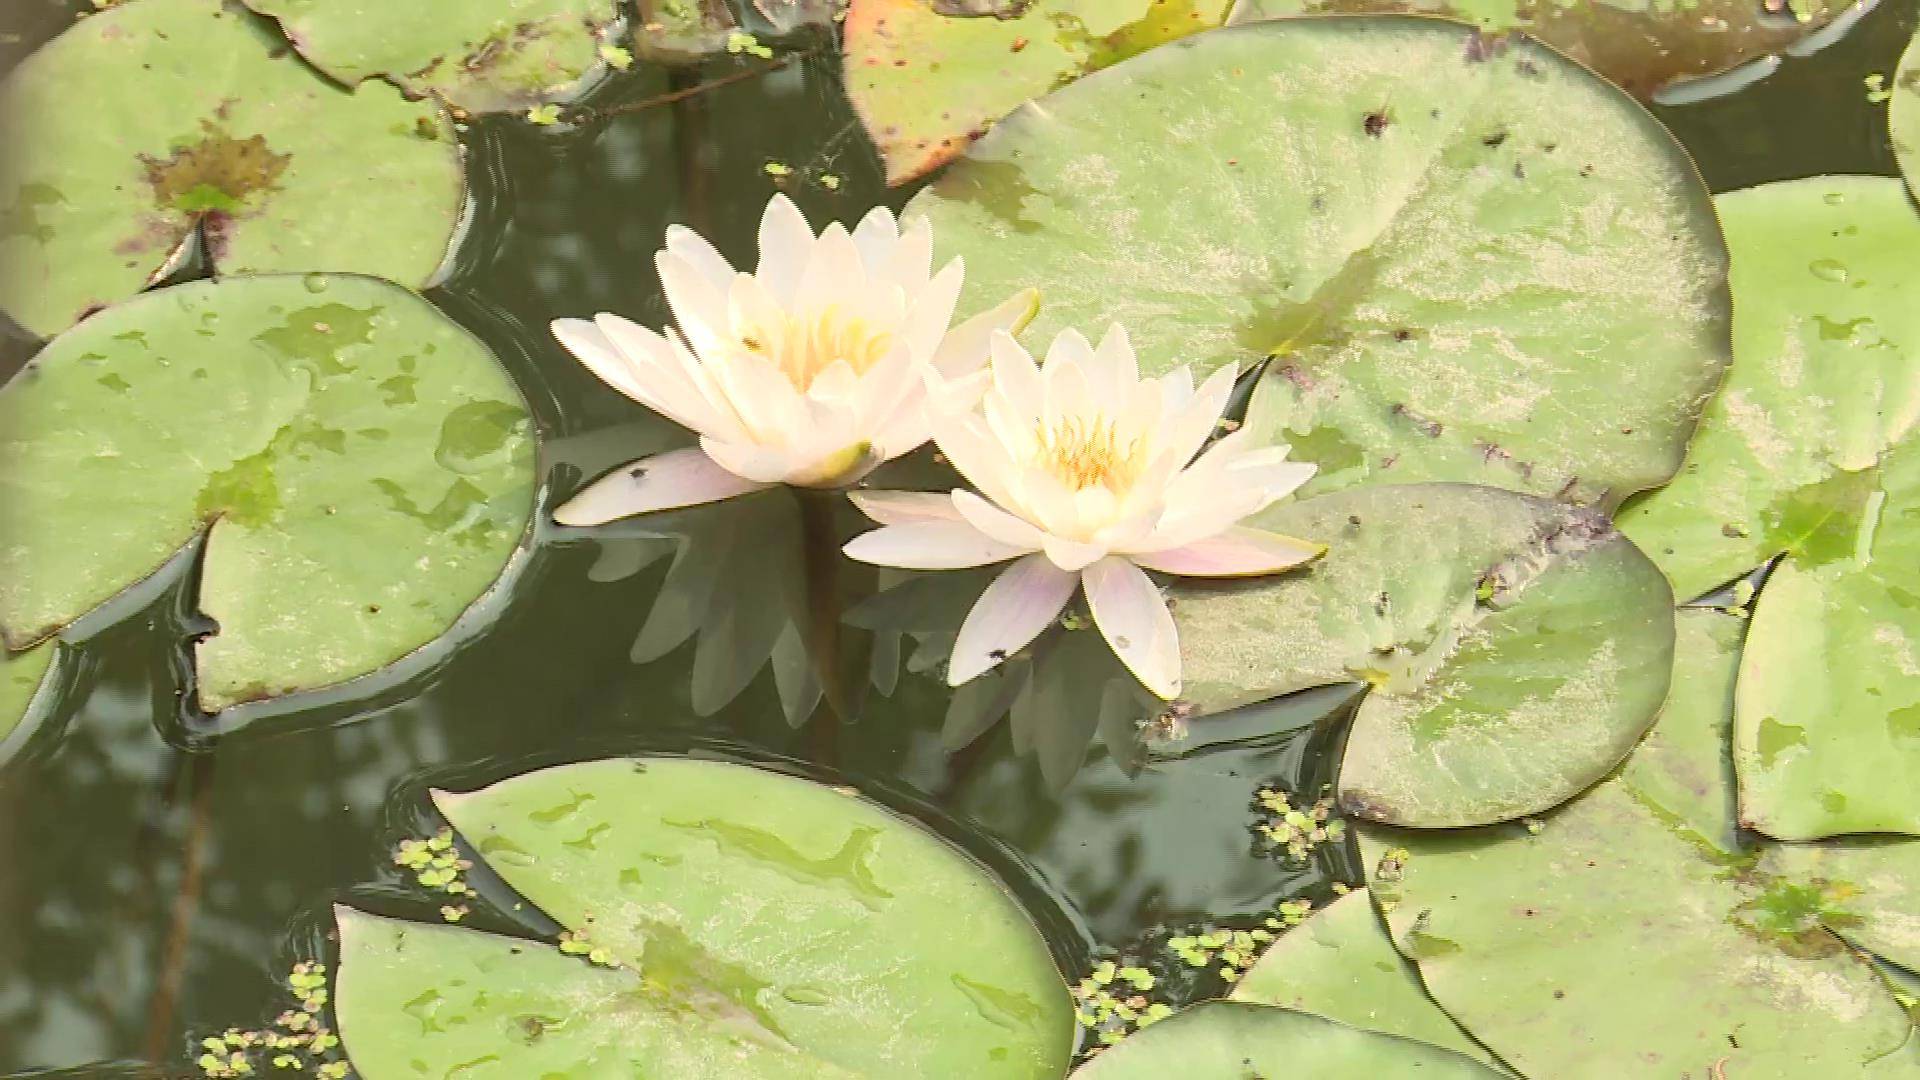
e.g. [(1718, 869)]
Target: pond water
[(171, 869)]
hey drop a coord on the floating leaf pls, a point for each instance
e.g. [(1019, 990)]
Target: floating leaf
[(1340, 964), (756, 926), (499, 56), (1867, 890), (1641, 46), (1472, 260), (22, 679), (1616, 938), (361, 465), (1230, 1040), (1517, 648), (1826, 380), (683, 31), (927, 81), (144, 127), (1903, 115)]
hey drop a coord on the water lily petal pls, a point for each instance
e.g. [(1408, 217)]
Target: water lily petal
[(699, 308), (1238, 552), (1069, 393), (904, 507), (701, 255), (910, 263), (910, 424), (997, 523), (786, 245), (1071, 554), (765, 464), (1113, 371), (1133, 617), (926, 323), (978, 456), (666, 481), (1010, 613), (875, 238), (1187, 430), (965, 347), (836, 468), (670, 376), (834, 272), (1016, 378), (929, 545), (1069, 348)]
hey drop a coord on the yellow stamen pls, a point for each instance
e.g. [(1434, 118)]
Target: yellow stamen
[(1084, 453), (804, 347)]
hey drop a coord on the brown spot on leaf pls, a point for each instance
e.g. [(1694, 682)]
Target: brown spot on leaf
[(216, 174)]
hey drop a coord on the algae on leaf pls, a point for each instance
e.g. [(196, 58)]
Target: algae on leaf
[(149, 127), (1516, 648), (362, 466), (1470, 259), (1617, 938), (740, 923), (500, 55)]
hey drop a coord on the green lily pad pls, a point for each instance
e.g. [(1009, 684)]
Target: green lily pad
[(1641, 46), (206, 130), (503, 55), (752, 925), (361, 466), (22, 678), (1867, 890), (1472, 260), (1229, 1040), (1615, 938), (1903, 115), (926, 82), (1517, 648), (1826, 380), (1340, 964)]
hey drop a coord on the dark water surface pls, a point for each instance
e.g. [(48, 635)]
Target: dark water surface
[(159, 873)]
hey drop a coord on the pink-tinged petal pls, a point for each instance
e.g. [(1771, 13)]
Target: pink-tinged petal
[(997, 523), (1133, 617), (926, 323), (764, 464), (875, 238), (1071, 554), (666, 481), (904, 507), (701, 255), (910, 264), (929, 545), (786, 244), (1238, 552), (1012, 611), (965, 347), (699, 308)]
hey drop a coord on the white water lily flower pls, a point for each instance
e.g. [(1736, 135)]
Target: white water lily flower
[(809, 371), (1089, 475)]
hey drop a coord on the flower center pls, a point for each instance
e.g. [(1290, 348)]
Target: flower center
[(1084, 453), (804, 346)]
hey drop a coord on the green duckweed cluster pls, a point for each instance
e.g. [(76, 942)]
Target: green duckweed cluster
[(297, 1043), (1297, 831)]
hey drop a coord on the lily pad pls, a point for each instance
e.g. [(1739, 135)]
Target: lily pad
[(1340, 964), (1903, 116), (1471, 259), (1516, 647), (22, 679), (750, 924), (361, 466), (1867, 890), (501, 55), (1826, 380), (929, 76), (1227, 1040), (1643, 47), (1614, 938), (206, 130)]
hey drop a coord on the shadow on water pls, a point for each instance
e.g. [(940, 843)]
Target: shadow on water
[(169, 879)]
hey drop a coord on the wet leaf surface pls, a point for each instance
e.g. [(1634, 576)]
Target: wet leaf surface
[(1516, 648), (752, 925), (1470, 261), (1620, 932), (1225, 1040), (501, 55), (206, 132), (21, 676), (361, 466), (1867, 890), (1340, 964), (1640, 46)]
